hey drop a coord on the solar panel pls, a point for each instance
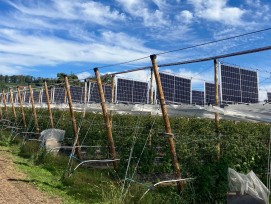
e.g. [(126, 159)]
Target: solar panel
[(94, 93), (176, 89), (26, 97), (59, 95), (131, 91), (269, 96), (44, 99), (239, 85), (36, 94), (210, 93), (77, 94), (198, 97)]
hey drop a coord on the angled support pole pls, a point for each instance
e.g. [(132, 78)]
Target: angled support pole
[(34, 109), (5, 103), (217, 104), (106, 119), (175, 162), (12, 105), (75, 130), (48, 100), (22, 108)]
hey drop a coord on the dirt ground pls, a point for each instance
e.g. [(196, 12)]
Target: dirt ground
[(15, 188)]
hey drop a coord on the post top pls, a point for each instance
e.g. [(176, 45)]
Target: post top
[(153, 57), (95, 69)]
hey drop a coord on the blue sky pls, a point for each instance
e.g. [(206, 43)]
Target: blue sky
[(45, 37)]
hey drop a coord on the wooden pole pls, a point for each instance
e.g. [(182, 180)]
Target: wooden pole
[(216, 103), (22, 108), (113, 89), (106, 119), (5, 103), (75, 131), (12, 105), (175, 162), (34, 109), (151, 87), (48, 100)]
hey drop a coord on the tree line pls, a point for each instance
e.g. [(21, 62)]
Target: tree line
[(7, 81)]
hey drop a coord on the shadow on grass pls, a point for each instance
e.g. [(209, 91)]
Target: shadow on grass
[(36, 181)]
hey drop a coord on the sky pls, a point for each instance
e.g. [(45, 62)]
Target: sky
[(44, 37)]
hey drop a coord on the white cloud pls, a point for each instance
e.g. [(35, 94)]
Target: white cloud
[(83, 75), (90, 11), (218, 11), (185, 16)]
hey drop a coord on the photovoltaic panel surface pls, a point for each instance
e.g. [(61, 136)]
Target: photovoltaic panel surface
[(44, 99), (269, 96), (77, 94), (198, 97), (131, 91), (239, 85), (176, 89), (210, 93), (59, 95), (36, 94), (94, 93)]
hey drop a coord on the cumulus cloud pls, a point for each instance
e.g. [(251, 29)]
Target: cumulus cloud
[(218, 11)]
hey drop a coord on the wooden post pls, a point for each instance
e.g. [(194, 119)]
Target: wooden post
[(34, 109), (75, 131), (49, 105), (22, 108), (151, 87), (216, 103), (5, 103), (12, 105), (113, 88), (106, 119), (175, 162)]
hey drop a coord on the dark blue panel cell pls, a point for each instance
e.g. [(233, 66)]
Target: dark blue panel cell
[(210, 93), (198, 97), (94, 96), (269, 96), (132, 91), (77, 94), (59, 95)]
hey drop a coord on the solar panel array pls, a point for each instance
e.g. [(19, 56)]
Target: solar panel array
[(239, 85), (131, 91), (94, 93), (36, 94), (198, 97), (210, 93), (77, 94), (176, 89), (269, 96), (44, 99), (59, 95)]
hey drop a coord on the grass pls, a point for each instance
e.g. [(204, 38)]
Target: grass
[(84, 186)]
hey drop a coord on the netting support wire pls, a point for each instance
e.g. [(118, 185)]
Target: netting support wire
[(175, 162), (261, 49), (34, 109), (5, 103), (216, 64), (106, 119), (48, 100), (75, 131), (22, 108), (12, 106)]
